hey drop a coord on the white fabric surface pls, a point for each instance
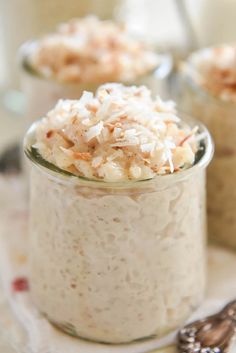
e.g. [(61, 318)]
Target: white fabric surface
[(44, 338)]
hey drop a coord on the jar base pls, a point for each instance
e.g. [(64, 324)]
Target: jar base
[(71, 331)]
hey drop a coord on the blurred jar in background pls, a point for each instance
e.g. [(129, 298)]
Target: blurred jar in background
[(208, 91), (24, 19), (82, 54), (178, 25)]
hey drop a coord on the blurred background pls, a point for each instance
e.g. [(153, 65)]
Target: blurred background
[(177, 26)]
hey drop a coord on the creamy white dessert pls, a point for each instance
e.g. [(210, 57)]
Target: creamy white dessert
[(90, 50), (82, 54), (209, 92), (121, 133), (214, 69), (38, 17), (117, 215)]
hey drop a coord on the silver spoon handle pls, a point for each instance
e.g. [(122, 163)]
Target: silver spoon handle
[(213, 334)]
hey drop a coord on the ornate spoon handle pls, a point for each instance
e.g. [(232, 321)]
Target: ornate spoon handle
[(213, 334)]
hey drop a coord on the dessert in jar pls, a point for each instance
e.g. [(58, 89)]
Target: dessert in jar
[(117, 218), (82, 54), (19, 20), (208, 82)]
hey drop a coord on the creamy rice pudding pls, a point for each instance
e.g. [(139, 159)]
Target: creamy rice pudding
[(80, 55), (117, 215), (209, 92)]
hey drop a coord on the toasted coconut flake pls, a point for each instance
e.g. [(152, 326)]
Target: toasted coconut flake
[(86, 156), (117, 132), (111, 172), (94, 131), (74, 54), (125, 143), (138, 144), (135, 171), (84, 168), (214, 69), (86, 122), (148, 147), (170, 162), (86, 98), (186, 138), (97, 161), (115, 155)]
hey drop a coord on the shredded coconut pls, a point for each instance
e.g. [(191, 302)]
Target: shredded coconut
[(215, 70), (91, 50), (128, 140)]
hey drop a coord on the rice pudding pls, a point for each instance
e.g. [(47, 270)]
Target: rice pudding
[(117, 215), (80, 55), (209, 92)]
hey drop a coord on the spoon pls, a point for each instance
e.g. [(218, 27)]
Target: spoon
[(213, 334)]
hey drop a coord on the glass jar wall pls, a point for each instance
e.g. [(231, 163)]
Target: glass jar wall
[(117, 262)]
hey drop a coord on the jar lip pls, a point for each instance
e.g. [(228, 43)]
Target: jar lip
[(162, 71), (67, 177), (186, 71)]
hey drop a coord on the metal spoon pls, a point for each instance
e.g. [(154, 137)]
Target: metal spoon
[(213, 334)]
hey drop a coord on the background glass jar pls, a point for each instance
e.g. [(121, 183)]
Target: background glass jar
[(220, 118), (117, 262), (42, 93), (38, 18)]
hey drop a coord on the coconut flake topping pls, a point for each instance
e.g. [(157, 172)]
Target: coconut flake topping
[(215, 69), (89, 50), (119, 134)]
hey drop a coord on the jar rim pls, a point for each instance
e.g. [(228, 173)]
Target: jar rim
[(186, 71), (67, 177), (162, 71)]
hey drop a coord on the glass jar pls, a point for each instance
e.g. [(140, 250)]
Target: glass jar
[(117, 262), (23, 19), (219, 116), (43, 93)]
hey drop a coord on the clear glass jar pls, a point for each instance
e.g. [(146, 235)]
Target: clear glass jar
[(220, 118), (43, 93), (117, 262), (23, 19)]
